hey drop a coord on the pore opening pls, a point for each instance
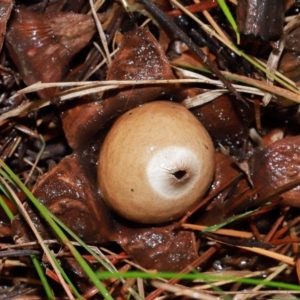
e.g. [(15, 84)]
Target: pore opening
[(179, 174)]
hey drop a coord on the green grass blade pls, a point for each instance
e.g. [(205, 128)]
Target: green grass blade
[(81, 242), (65, 276), (230, 220), (93, 277), (268, 73), (58, 231), (89, 250), (5, 207), (35, 261), (195, 276), (230, 18), (5, 176), (42, 276)]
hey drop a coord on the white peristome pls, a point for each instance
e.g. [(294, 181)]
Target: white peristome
[(156, 163), (164, 166)]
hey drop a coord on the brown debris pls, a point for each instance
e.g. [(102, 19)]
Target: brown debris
[(277, 165), (222, 206), (160, 248), (42, 45), (6, 7), (226, 120), (252, 20)]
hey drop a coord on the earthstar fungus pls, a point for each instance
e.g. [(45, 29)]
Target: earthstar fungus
[(156, 163), (70, 189)]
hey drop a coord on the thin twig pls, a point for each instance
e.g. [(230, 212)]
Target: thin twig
[(101, 33), (167, 21)]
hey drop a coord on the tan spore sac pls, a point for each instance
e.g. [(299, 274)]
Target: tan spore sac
[(156, 163)]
